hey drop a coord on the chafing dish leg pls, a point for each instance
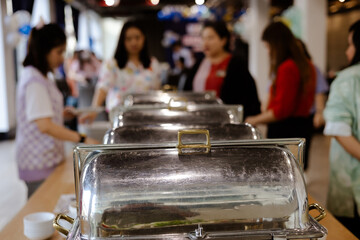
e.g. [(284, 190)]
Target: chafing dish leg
[(198, 233)]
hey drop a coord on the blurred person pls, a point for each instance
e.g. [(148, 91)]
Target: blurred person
[(72, 99), (322, 88), (180, 51), (177, 79), (183, 73), (131, 70), (316, 112), (40, 132), (222, 72), (342, 115), (241, 49), (292, 91), (83, 70)]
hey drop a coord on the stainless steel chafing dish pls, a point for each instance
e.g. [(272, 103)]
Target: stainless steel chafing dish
[(226, 190), (199, 114), (165, 133), (161, 98)]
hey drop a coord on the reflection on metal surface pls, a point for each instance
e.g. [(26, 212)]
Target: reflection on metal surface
[(194, 114), (163, 98), (179, 104)]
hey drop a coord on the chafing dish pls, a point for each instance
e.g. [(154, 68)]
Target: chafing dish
[(161, 98), (168, 133), (226, 190), (191, 114)]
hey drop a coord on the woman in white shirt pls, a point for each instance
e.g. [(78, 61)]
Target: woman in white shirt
[(130, 71), (40, 131)]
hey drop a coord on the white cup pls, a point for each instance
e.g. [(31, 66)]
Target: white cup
[(39, 225)]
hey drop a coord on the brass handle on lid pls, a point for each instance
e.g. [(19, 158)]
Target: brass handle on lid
[(60, 228), (169, 88), (194, 131), (320, 209), (182, 107)]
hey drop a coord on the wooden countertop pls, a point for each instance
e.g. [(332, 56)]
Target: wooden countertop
[(62, 182)]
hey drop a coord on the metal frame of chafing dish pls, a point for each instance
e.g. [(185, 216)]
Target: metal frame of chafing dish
[(318, 231), (313, 232), (164, 97), (109, 137), (236, 111)]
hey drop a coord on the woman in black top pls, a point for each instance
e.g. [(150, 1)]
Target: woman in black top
[(222, 72)]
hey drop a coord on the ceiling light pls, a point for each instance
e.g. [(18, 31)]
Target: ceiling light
[(199, 2), (110, 3), (341, 1), (154, 2)]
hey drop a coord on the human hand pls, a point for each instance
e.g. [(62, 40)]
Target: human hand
[(91, 141), (331, 74), (69, 113), (87, 118), (251, 120), (318, 120)]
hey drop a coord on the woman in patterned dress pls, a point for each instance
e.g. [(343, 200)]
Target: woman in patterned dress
[(131, 70)]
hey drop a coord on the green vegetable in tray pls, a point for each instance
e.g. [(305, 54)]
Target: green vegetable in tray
[(175, 222), (145, 214)]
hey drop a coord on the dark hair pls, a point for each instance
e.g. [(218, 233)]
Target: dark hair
[(182, 60), (41, 42), (304, 48), (355, 28), (221, 30), (121, 55), (283, 45)]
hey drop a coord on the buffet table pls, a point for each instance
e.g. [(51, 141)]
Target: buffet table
[(62, 182)]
